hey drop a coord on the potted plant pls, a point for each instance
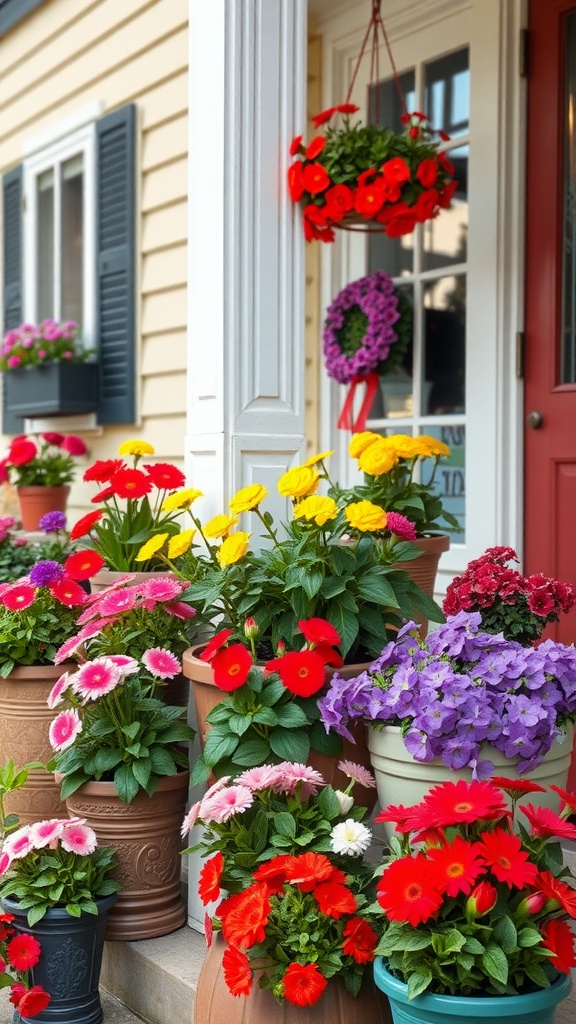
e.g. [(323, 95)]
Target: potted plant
[(47, 370), (18, 554), (37, 614), (474, 906), (135, 502), (287, 853), (369, 174), (121, 754), (41, 468), (518, 606), (461, 701), (55, 885)]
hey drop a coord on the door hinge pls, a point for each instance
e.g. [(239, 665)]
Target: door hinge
[(520, 353), (524, 61)]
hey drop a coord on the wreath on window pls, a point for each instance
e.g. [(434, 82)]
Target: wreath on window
[(367, 330)]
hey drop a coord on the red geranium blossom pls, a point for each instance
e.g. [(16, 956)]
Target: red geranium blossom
[(165, 476), (407, 891), (427, 172), (295, 145), (315, 147), (315, 178), (209, 880), (360, 940), (319, 631), (302, 672), (427, 205), (303, 984), (339, 201), (73, 445), (245, 922), (369, 199), (231, 667), (308, 869), (396, 170), (400, 219), (81, 565), (335, 899), (329, 656), (237, 972), (23, 952), (545, 822), (324, 116), (215, 644), (458, 865), (131, 483), (33, 1001), (103, 470), (558, 938), (84, 525), (507, 861)]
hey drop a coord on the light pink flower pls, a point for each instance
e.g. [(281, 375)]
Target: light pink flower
[(190, 819), (18, 844), (128, 666), (79, 839), (162, 588), (227, 803), (262, 777), (161, 662), (95, 678), (64, 729), (68, 647), (55, 695), (358, 773), (217, 786), (180, 610), (42, 833), (118, 602), (294, 774)]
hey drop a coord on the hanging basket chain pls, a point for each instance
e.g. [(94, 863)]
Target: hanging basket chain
[(375, 27)]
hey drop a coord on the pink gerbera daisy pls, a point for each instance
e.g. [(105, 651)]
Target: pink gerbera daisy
[(161, 662), (55, 695), (190, 819), (18, 597), (18, 844), (118, 602), (79, 839), (42, 833), (68, 648), (64, 729), (262, 777), (95, 678), (293, 774), (93, 628), (180, 610), (127, 665), (162, 589), (5, 862), (89, 613), (225, 804), (357, 773)]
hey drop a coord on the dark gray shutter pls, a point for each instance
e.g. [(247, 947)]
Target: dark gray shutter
[(12, 291), (115, 265)]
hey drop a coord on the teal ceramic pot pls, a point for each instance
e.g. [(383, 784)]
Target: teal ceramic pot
[(533, 1008)]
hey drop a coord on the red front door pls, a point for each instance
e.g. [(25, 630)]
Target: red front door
[(550, 375)]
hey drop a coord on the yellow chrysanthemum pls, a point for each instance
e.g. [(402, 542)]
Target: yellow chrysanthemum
[(432, 446), (359, 442), (298, 482), (233, 548), (219, 526), (180, 543), (246, 499), (317, 509), (180, 499), (378, 458), (135, 448), (318, 458), (364, 516), (151, 547)]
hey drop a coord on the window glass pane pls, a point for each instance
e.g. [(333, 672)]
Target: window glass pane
[(395, 396), (447, 93), (72, 220), (445, 345), (450, 476), (568, 344), (45, 245), (445, 239)]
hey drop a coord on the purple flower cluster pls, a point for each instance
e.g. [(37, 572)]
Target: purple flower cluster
[(51, 522), (43, 574), (459, 690), (376, 296)]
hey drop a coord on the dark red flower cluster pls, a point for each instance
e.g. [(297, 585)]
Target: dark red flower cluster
[(403, 191), (21, 953), (253, 917), (519, 606)]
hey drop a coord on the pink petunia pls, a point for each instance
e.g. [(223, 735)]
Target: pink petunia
[(180, 610), (264, 776), (161, 662), (162, 588), (43, 833), (18, 844), (293, 774), (358, 773), (68, 648), (64, 729), (95, 678), (79, 839), (118, 602), (225, 804), (55, 696), (18, 597)]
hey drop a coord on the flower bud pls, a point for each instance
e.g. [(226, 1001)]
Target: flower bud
[(280, 649), (481, 901), (251, 628), (346, 802), (531, 904)]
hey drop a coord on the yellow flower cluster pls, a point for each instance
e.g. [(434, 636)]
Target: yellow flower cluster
[(377, 455)]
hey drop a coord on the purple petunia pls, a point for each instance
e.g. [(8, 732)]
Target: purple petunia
[(45, 573), (375, 296), (52, 521)]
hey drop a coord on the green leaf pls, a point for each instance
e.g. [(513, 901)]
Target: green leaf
[(495, 963), (290, 745), (537, 974), (251, 753), (374, 586), (528, 937), (36, 914), (418, 982), (328, 803), (505, 934), (219, 746), (126, 785), (323, 742), (285, 824), (290, 716), (106, 758)]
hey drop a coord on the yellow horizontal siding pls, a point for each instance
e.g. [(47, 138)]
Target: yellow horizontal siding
[(165, 143), (164, 353), (165, 227)]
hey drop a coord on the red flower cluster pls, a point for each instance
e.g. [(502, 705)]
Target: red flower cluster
[(408, 188), (21, 953), (302, 672), (42, 460), (519, 606), (308, 885)]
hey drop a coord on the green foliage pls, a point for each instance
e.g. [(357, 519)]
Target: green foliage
[(33, 635)]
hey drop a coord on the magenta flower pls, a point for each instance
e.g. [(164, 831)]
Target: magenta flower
[(128, 666), (402, 527), (18, 597), (55, 695), (64, 729), (95, 678), (43, 833), (18, 844), (5, 862), (190, 819), (180, 610), (118, 602), (161, 663), (79, 838), (162, 589), (67, 648), (226, 803)]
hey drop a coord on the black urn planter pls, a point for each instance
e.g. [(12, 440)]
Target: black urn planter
[(70, 962), (53, 389)]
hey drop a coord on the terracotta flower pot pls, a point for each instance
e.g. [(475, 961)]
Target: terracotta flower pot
[(146, 837), (214, 1003), (423, 570), (207, 695), (35, 502), (24, 722)]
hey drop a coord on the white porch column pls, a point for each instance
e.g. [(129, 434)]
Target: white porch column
[(247, 84)]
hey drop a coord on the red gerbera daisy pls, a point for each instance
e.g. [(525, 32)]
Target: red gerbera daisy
[(21, 451), (18, 597), (209, 880), (131, 483), (308, 869), (546, 823), (407, 891), (68, 592), (506, 859), (33, 1002), (302, 672), (104, 495), (303, 984), (558, 938), (273, 872), (231, 667), (402, 816), (335, 899), (84, 525), (315, 147), (237, 972), (23, 952), (245, 923), (458, 865), (568, 799), (319, 631), (215, 644), (323, 116), (165, 476), (83, 564), (453, 802), (516, 787), (360, 940), (103, 470), (555, 889)]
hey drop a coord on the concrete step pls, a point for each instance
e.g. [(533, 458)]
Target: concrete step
[(115, 1012)]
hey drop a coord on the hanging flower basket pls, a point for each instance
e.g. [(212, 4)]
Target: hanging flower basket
[(367, 330), (369, 175)]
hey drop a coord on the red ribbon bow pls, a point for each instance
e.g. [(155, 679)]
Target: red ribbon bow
[(346, 419)]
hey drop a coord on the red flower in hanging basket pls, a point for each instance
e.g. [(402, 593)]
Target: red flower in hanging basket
[(369, 173)]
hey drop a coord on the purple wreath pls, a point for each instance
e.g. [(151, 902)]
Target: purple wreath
[(376, 297)]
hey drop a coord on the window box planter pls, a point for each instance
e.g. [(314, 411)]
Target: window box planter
[(52, 390)]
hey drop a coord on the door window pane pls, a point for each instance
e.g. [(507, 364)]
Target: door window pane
[(450, 475), (45, 245), (72, 221), (445, 239), (447, 93), (568, 337), (445, 345)]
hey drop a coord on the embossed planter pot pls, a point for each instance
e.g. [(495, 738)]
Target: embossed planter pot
[(146, 837), (69, 966), (24, 721)]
